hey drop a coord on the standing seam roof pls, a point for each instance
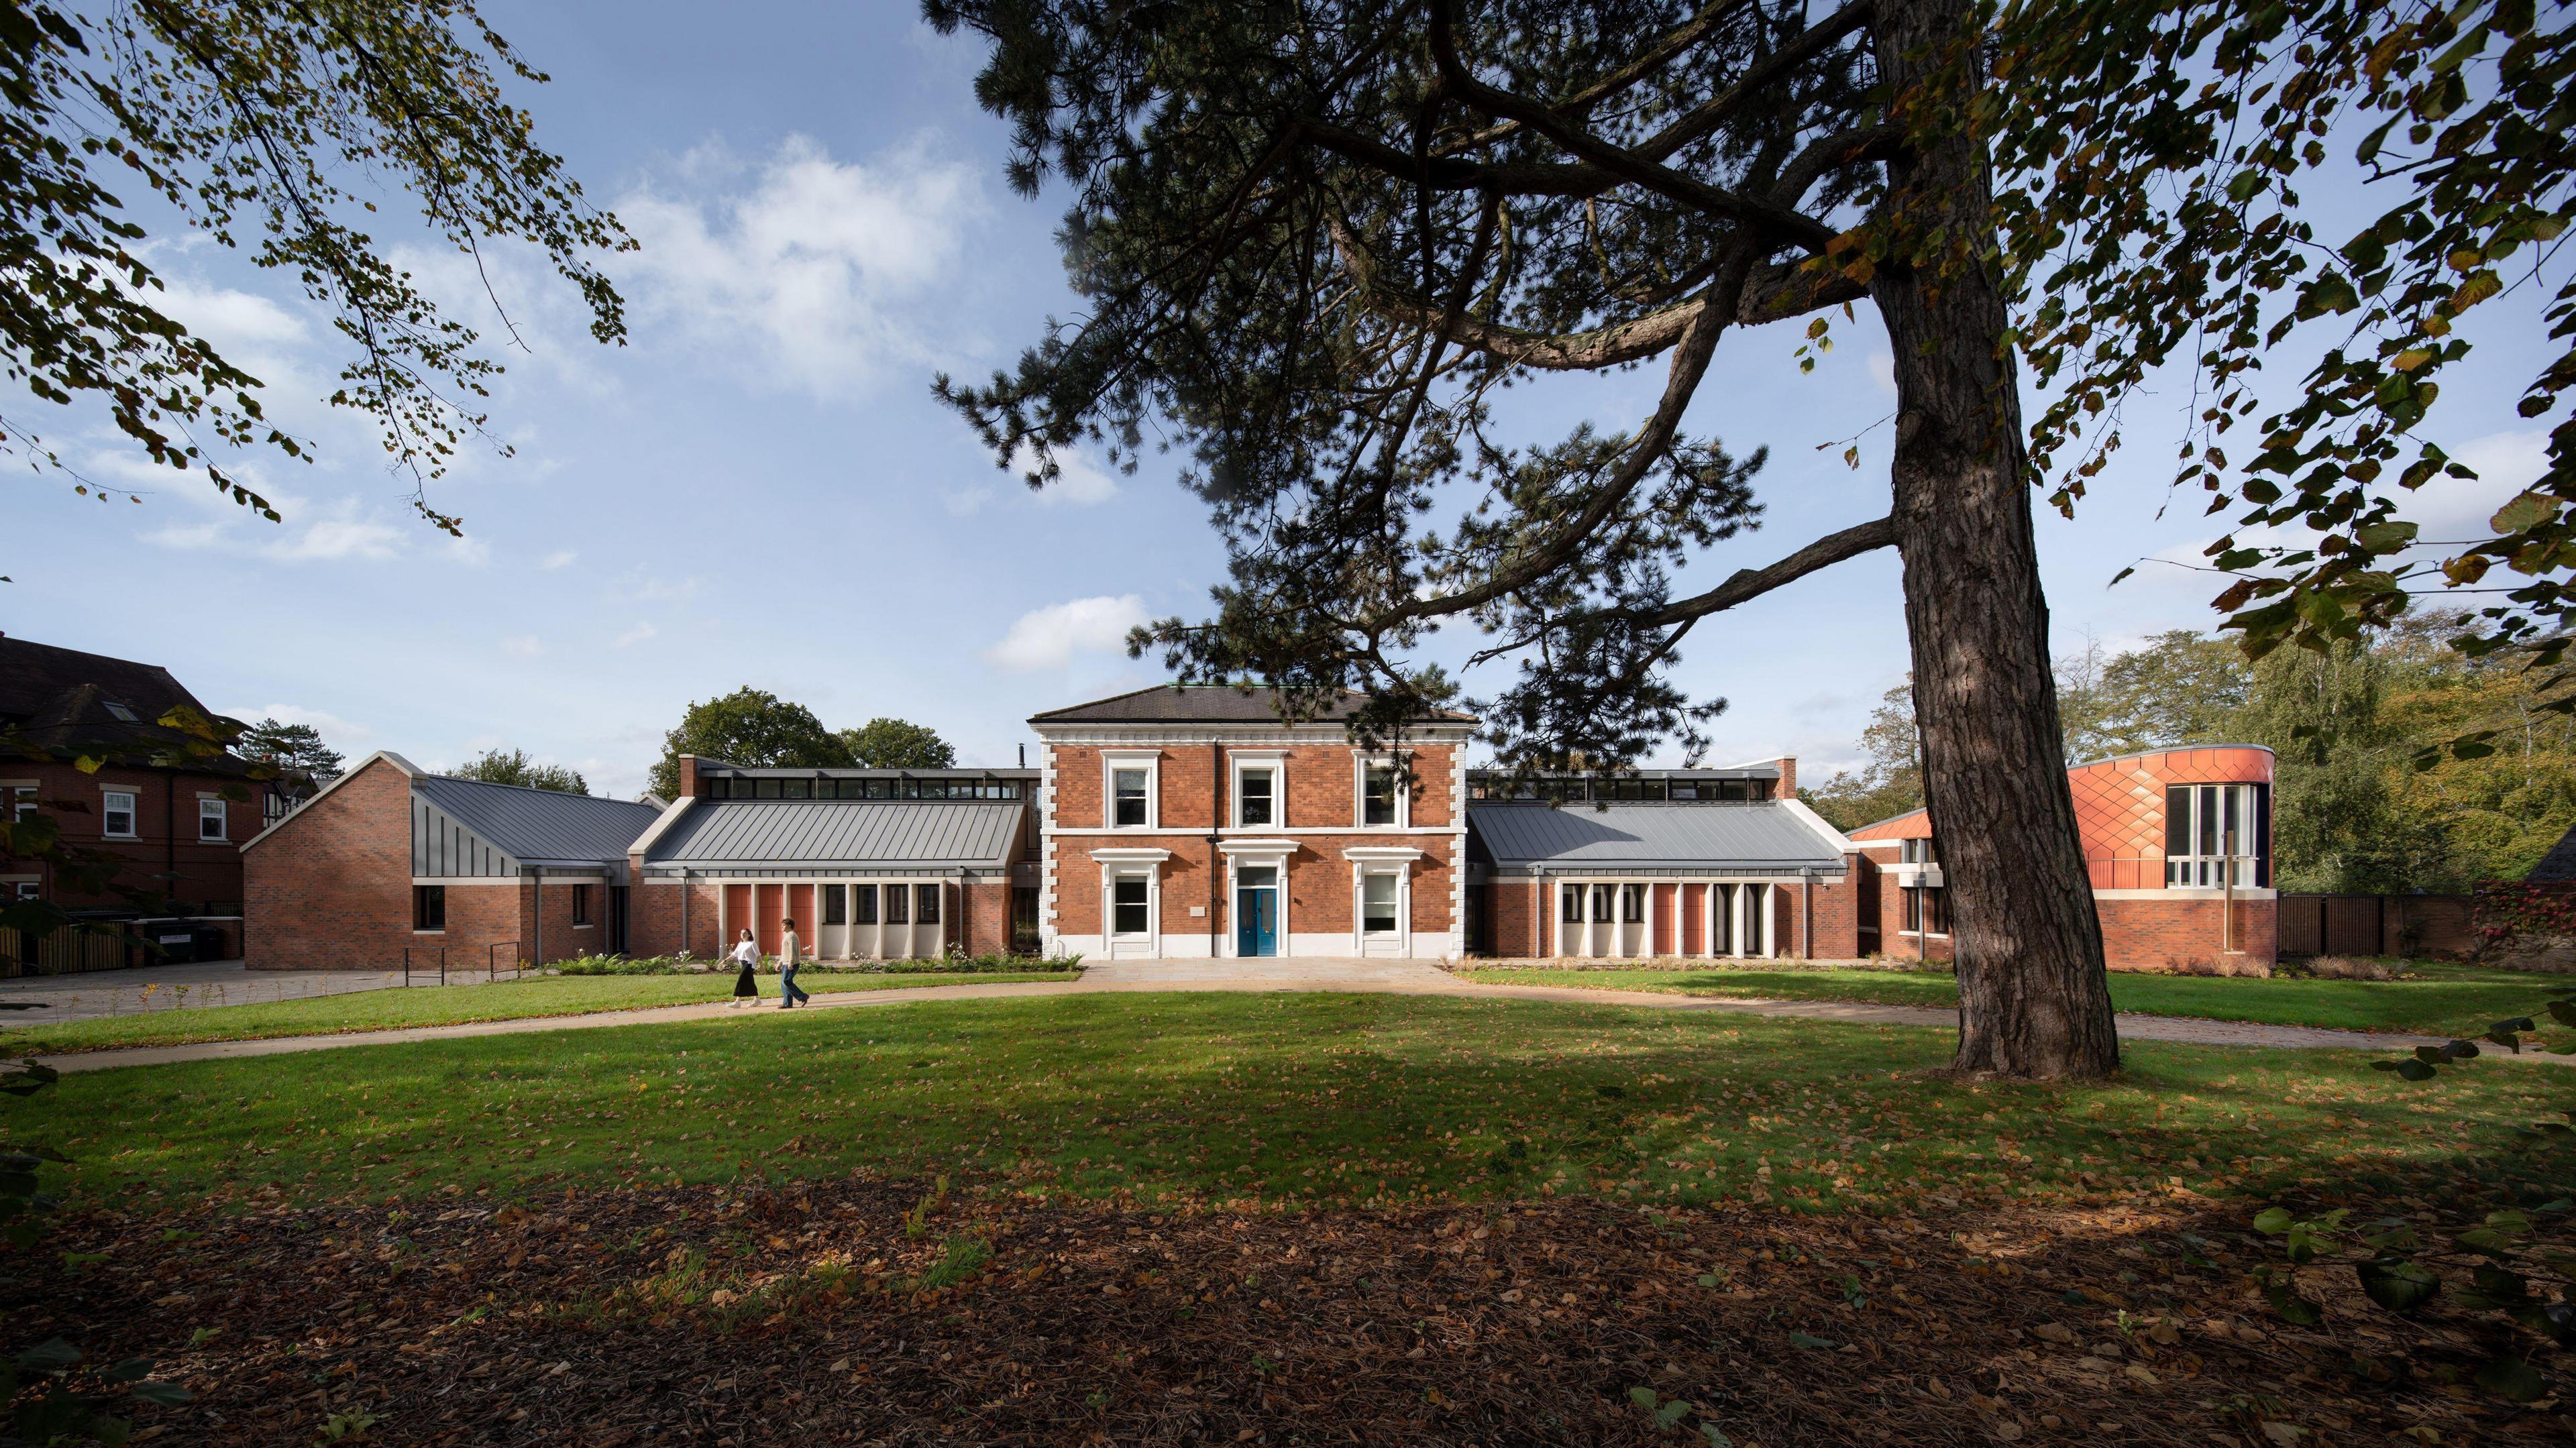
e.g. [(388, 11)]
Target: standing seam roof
[(1689, 836), (540, 825), (842, 832)]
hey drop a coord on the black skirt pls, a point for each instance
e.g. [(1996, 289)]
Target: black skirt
[(744, 987)]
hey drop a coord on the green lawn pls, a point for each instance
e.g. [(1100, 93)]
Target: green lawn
[(392, 1009), (2447, 999), (1276, 1099)]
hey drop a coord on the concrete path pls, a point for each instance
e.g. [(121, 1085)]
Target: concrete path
[(1391, 977)]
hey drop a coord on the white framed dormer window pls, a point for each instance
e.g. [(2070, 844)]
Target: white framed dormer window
[(212, 825), (1383, 802), (1260, 789), (116, 807), (1127, 788)]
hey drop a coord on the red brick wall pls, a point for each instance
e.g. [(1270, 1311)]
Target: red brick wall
[(1837, 916), (2154, 935), (1322, 786), (331, 889), (165, 826), (1515, 918), (986, 916)]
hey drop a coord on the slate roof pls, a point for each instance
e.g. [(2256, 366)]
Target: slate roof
[(2558, 867), (1714, 837), (540, 826), (59, 700), (842, 833), (1211, 704)]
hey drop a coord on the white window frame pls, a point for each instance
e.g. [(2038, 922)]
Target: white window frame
[(221, 814), (1110, 883), (133, 813), (1148, 760), (2202, 871), (1364, 762), (20, 796), (1395, 888), (20, 887), (1273, 762), (1396, 860)]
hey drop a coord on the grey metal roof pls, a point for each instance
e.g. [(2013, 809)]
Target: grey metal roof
[(841, 832), (539, 826), (1650, 836), (1211, 704)]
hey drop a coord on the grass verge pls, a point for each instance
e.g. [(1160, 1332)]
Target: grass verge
[(394, 1009), (2443, 999), (1272, 1100)]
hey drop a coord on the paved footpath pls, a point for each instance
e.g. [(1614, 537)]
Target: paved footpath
[(1389, 977)]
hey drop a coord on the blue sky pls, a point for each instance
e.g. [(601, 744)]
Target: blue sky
[(759, 490)]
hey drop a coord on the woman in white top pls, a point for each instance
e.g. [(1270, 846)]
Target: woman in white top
[(746, 953)]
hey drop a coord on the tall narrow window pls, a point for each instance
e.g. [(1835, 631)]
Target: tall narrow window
[(1572, 896), (429, 907), (863, 904), (1632, 904), (1378, 795), (1722, 927), (1253, 797), (1129, 787), (1601, 904), (580, 905), (896, 898), (925, 900), (22, 802), (210, 819), (1377, 904), (836, 905), (1127, 906), (118, 807)]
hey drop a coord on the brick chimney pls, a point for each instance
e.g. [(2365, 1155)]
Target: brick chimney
[(1788, 777), (688, 777)]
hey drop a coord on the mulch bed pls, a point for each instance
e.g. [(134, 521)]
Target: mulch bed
[(801, 1315)]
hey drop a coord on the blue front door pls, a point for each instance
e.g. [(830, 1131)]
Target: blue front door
[(1256, 921)]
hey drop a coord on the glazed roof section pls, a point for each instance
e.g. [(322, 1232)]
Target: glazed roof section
[(842, 834), (539, 826), (1701, 838), (1213, 704)]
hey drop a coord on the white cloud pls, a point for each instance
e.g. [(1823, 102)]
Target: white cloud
[(824, 272), (525, 646), (334, 538), (1882, 370), (336, 731), (1080, 483), (560, 558), (1048, 638), (635, 635)]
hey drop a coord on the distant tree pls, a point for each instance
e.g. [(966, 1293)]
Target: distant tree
[(296, 747), (513, 766), (2179, 687), (250, 121), (1890, 783), (895, 744), (748, 726)]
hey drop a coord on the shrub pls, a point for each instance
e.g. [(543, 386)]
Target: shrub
[(2347, 967)]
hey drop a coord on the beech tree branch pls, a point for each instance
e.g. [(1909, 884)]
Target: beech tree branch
[(1747, 584)]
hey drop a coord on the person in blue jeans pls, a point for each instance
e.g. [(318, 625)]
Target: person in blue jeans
[(789, 992)]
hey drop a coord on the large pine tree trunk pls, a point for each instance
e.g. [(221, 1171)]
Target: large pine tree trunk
[(2033, 999)]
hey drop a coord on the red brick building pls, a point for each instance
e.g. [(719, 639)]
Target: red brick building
[(1665, 862), (1195, 821), (2178, 843), (871, 864), (170, 816), (390, 864)]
